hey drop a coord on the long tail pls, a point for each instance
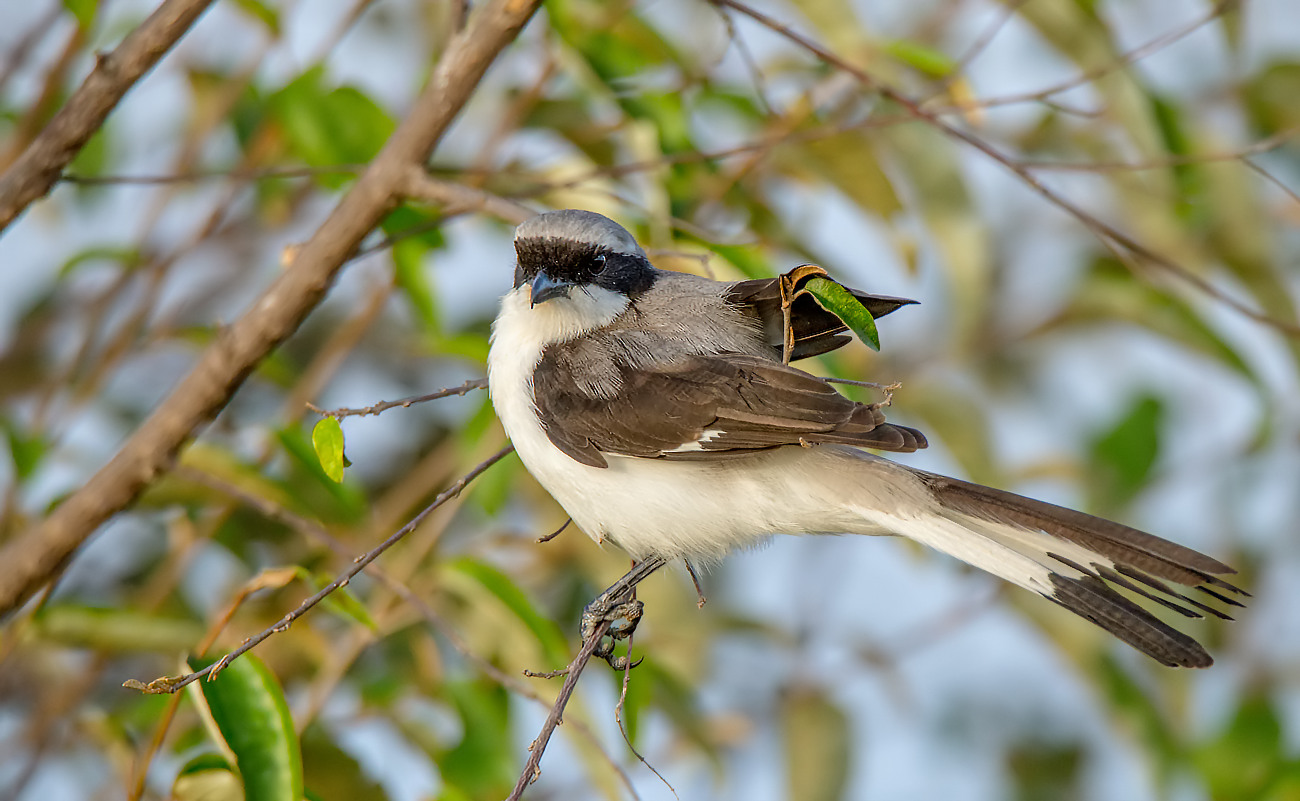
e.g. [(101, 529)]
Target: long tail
[(1075, 560)]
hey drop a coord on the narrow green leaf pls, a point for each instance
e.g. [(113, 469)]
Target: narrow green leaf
[(817, 746), (506, 591), (1133, 705), (1125, 454), (840, 302), (1248, 755), (116, 629), (412, 279), (926, 60), (342, 602), (483, 763), (327, 440), (248, 710)]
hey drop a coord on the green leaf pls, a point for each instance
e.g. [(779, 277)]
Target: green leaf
[(1124, 455), (926, 60), (840, 302), (332, 774), (412, 279), (342, 602), (482, 765), (116, 630), (338, 502), (328, 127), (327, 441), (26, 450), (207, 777), (817, 746), (262, 12), (83, 10), (1045, 770), (93, 156), (247, 709), (1132, 704), (1247, 757), (506, 591), (127, 258)]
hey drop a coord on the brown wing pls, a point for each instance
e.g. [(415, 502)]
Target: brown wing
[(706, 407), (816, 331)]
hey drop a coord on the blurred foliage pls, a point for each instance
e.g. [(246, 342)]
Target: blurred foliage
[(728, 151)]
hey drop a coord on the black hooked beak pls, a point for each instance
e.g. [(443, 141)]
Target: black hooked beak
[(544, 288)]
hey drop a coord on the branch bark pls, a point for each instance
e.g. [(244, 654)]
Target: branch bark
[(40, 165), (41, 551)]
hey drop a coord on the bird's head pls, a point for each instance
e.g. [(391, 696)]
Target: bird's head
[(561, 253)]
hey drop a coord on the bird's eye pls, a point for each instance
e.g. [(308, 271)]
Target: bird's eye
[(592, 267)]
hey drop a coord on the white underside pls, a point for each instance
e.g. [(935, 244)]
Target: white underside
[(701, 510)]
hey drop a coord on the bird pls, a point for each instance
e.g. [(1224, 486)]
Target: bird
[(657, 409)]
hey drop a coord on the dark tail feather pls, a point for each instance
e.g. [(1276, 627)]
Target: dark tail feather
[(1093, 600), (1111, 552)]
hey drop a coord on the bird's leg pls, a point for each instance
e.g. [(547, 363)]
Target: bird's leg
[(618, 606), (695, 579)]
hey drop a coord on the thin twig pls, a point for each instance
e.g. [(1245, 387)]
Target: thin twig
[(43, 549), (1267, 176), (1241, 154), (467, 387), (318, 533), (170, 684), (1103, 231), (747, 57), (196, 176), (1123, 60), (420, 185), (618, 718), (571, 673), (38, 168)]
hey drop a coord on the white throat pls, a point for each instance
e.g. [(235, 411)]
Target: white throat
[(520, 334), (586, 309)]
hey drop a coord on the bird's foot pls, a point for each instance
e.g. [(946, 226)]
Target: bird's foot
[(622, 616), (619, 607)]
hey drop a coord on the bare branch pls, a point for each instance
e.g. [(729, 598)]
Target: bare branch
[(38, 168), (41, 551), (419, 185), (1133, 56), (467, 387), (571, 674), (318, 533), (1110, 235), (170, 684), (260, 174)]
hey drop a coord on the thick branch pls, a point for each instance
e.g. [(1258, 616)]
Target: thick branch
[(33, 558), (39, 167)]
